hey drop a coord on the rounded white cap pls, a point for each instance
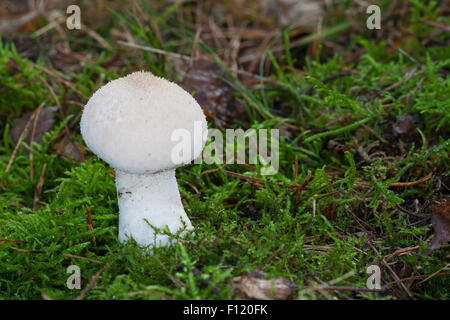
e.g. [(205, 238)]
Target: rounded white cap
[(143, 124)]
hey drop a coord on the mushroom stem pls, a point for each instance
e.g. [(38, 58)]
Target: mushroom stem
[(151, 197)]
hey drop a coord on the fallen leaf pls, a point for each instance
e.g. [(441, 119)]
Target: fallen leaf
[(26, 46), (329, 209), (69, 149), (251, 286), (204, 80), (440, 218), (44, 123), (288, 12), (335, 146), (13, 67), (405, 126)]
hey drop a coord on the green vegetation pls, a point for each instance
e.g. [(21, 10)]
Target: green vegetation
[(335, 206)]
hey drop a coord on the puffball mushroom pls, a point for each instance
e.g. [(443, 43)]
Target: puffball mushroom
[(144, 127)]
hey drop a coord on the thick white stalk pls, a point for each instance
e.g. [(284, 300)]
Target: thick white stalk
[(152, 197)]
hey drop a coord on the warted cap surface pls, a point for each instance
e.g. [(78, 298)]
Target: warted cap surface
[(129, 123)]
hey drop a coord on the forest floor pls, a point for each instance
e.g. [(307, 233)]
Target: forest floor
[(363, 179)]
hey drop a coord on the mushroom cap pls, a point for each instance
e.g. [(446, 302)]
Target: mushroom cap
[(130, 123)]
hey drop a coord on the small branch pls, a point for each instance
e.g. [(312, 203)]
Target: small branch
[(437, 273), (38, 189), (97, 37), (191, 185), (409, 184), (11, 240), (425, 277), (395, 85), (25, 250), (343, 288), (68, 255), (90, 225), (175, 280), (246, 178), (436, 25), (394, 275), (91, 283), (401, 252), (59, 77), (22, 136), (33, 132), (53, 94), (154, 50), (296, 170)]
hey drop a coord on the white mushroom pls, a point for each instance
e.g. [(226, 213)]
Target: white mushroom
[(129, 123)]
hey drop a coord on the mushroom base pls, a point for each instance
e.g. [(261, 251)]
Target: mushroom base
[(149, 199)]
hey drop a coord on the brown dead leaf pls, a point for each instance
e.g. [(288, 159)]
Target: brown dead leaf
[(69, 149), (335, 146), (26, 46), (329, 209), (405, 126), (13, 67), (288, 12), (252, 286), (212, 93), (44, 124), (440, 219)]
